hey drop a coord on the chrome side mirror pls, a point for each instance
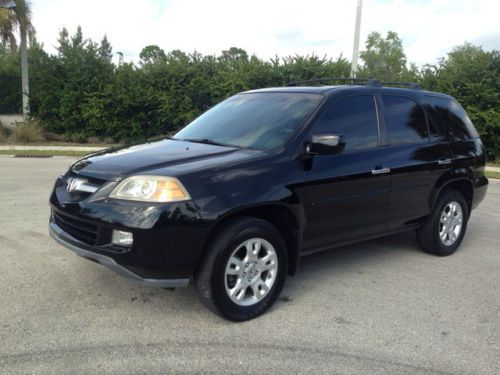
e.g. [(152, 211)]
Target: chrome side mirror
[(326, 143)]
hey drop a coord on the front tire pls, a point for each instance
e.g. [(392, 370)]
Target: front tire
[(244, 269), (444, 230)]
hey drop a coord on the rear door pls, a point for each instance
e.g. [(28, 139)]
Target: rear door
[(419, 157), (346, 193)]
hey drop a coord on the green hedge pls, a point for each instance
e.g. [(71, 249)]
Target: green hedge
[(80, 91)]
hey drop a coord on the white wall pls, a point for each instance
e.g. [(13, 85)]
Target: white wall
[(9, 121)]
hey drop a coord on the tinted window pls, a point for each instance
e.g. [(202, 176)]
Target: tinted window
[(256, 120), (405, 120), (452, 118), (355, 118)]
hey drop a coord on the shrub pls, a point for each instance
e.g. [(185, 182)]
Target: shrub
[(53, 137), (4, 133), (80, 93), (29, 132), (78, 137)]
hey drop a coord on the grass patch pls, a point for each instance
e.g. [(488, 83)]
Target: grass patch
[(491, 174), (45, 152)]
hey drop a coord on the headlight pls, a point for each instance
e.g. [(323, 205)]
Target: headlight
[(150, 189)]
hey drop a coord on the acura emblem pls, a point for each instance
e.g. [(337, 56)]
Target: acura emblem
[(74, 184)]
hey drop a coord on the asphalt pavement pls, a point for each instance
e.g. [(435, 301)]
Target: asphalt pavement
[(378, 307)]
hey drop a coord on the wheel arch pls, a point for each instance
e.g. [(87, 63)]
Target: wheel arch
[(281, 216), (462, 185)]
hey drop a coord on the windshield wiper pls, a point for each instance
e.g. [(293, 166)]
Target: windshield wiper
[(207, 141)]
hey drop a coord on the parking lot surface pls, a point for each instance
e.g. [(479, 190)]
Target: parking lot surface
[(378, 307)]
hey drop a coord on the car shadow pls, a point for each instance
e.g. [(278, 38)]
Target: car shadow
[(359, 257)]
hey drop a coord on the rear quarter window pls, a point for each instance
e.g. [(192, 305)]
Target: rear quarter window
[(452, 118)]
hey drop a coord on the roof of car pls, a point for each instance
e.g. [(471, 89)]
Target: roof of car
[(336, 88)]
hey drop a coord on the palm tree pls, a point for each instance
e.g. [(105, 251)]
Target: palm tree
[(16, 15)]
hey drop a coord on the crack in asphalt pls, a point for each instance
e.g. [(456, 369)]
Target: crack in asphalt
[(292, 351)]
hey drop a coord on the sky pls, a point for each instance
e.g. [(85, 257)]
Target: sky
[(429, 28)]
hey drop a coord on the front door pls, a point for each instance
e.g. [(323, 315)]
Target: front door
[(347, 192)]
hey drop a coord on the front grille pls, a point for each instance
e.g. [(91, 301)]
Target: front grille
[(85, 187), (81, 230)]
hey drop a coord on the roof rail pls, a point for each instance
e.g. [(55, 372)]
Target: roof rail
[(366, 81), (359, 81), (411, 85)]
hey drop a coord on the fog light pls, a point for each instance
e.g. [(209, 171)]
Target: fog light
[(122, 238)]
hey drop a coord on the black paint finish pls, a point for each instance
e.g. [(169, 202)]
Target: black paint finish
[(317, 201)]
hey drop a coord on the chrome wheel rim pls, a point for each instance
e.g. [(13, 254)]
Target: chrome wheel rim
[(251, 272), (450, 223)]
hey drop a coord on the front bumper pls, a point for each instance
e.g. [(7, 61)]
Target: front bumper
[(86, 251)]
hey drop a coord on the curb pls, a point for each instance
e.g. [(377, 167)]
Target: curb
[(51, 148), (12, 156)]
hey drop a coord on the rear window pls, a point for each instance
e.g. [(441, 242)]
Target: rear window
[(452, 118), (405, 120)]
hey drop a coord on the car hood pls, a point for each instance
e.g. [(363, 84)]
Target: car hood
[(116, 163)]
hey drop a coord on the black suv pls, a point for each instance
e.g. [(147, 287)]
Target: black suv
[(233, 200)]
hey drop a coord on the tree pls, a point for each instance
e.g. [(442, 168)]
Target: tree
[(234, 54), (297, 68), (10, 77), (384, 58), (16, 15), (71, 87), (152, 54), (80, 93), (7, 25), (470, 75)]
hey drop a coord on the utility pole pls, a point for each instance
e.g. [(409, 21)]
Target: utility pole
[(24, 73), (355, 49)]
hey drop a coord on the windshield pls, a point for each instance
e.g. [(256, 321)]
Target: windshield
[(256, 120)]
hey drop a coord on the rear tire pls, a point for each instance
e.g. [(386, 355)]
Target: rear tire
[(444, 230), (244, 269)]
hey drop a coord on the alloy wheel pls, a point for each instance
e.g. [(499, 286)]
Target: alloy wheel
[(450, 223), (251, 272)]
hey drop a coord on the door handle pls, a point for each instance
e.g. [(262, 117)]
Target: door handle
[(381, 171), (444, 161)]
